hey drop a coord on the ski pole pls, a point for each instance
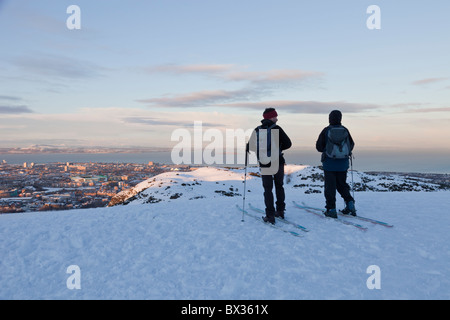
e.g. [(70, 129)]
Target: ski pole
[(245, 184), (353, 184)]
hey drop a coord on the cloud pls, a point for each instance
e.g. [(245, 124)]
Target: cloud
[(428, 110), (419, 107), (108, 126), (57, 66), (409, 104), (273, 76), (10, 98), (230, 72), (205, 98), (15, 110), (205, 69), (158, 122), (244, 99), (314, 107), (260, 84), (427, 81)]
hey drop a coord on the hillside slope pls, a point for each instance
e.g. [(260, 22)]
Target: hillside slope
[(182, 238)]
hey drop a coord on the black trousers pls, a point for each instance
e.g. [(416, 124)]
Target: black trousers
[(336, 180), (268, 182)]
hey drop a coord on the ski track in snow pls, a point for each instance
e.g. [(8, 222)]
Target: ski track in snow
[(200, 249)]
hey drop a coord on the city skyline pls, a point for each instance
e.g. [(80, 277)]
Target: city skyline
[(137, 71)]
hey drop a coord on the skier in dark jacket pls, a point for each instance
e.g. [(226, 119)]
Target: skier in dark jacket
[(335, 170), (270, 116)]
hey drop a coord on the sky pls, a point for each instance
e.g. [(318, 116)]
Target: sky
[(136, 71)]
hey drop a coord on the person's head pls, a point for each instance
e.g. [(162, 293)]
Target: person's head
[(270, 114), (335, 117)]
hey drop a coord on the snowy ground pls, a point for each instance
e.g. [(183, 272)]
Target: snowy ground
[(194, 246)]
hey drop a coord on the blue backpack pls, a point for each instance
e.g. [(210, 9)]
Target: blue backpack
[(338, 143)]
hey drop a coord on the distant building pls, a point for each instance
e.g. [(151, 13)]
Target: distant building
[(9, 193), (4, 194), (89, 179)]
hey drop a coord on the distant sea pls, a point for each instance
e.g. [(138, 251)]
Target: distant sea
[(388, 161)]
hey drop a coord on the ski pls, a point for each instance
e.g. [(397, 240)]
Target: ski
[(382, 223), (298, 226), (321, 214), (295, 234)]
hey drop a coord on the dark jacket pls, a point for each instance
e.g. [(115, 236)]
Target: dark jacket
[(328, 163), (284, 143)]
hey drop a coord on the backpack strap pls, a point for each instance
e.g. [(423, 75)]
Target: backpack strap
[(257, 142), (269, 140)]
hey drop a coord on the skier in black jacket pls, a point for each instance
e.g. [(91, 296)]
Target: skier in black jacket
[(270, 116), (335, 170)]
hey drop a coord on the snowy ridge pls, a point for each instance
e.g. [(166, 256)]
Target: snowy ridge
[(181, 237), (196, 184), (211, 182)]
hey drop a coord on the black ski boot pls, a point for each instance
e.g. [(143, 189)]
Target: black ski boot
[(269, 220), (331, 213), (279, 214), (350, 209), (270, 216)]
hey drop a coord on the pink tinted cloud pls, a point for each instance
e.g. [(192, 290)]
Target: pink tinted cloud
[(207, 69), (294, 106), (427, 81), (231, 72), (203, 98), (272, 75)]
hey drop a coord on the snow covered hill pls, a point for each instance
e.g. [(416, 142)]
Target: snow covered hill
[(209, 182), (180, 236)]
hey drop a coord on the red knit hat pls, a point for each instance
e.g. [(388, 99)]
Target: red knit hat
[(270, 113)]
